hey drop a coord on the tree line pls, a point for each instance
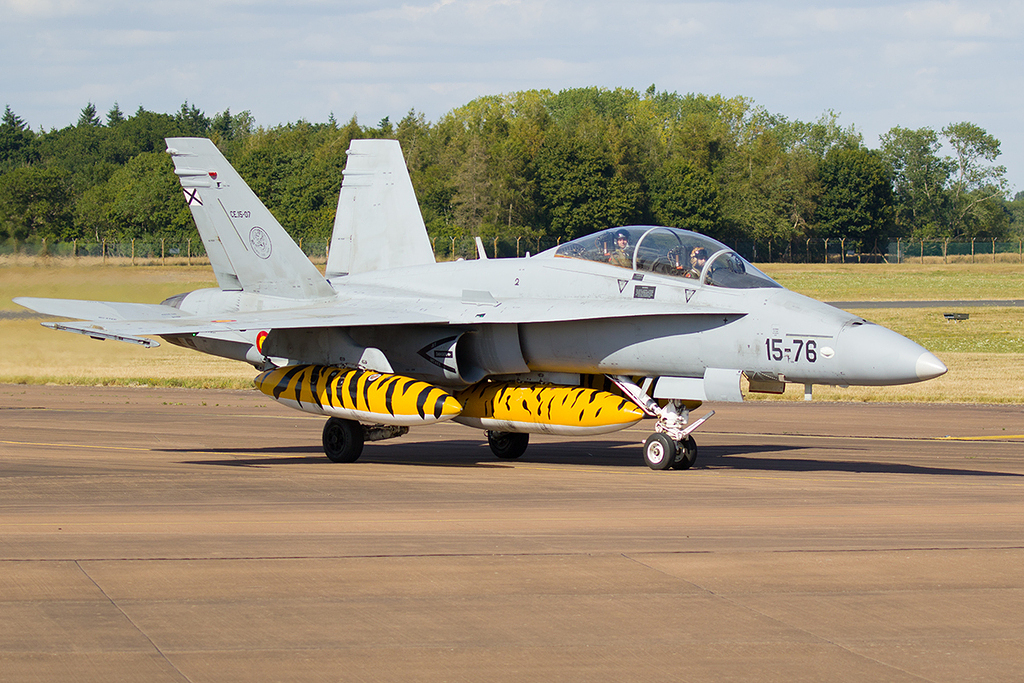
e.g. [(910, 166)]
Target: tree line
[(534, 165)]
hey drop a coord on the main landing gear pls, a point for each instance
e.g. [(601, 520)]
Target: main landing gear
[(507, 445), (344, 439)]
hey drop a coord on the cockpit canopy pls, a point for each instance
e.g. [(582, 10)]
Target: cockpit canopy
[(668, 251)]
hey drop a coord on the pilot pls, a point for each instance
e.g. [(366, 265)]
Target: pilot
[(623, 254), (698, 257)]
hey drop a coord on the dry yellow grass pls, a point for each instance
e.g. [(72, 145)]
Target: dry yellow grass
[(34, 354), (972, 378)]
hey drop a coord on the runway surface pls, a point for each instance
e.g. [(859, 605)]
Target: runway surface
[(176, 535)]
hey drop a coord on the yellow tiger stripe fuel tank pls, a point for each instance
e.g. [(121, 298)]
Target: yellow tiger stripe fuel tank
[(358, 395), (544, 409)]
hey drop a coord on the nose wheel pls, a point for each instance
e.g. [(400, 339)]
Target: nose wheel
[(686, 453), (662, 453)]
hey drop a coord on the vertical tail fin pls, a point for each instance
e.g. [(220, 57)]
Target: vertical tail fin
[(378, 224), (248, 248)]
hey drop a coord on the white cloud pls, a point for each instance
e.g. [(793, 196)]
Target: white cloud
[(44, 9), (880, 64)]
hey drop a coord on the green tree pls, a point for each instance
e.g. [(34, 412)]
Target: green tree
[(581, 190), (1016, 208), (977, 184), (88, 116), (757, 193), (192, 122), (920, 177), (856, 200), (37, 202), (147, 200), (16, 141), (473, 201), (685, 196), (115, 116)]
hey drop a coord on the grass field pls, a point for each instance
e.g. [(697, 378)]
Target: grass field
[(985, 354)]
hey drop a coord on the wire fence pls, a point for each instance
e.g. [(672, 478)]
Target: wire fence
[(137, 251), (167, 252)]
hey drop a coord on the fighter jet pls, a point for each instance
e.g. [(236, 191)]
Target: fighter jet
[(590, 337)]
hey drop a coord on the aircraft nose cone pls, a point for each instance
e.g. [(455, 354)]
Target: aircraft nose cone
[(874, 355), (929, 366)]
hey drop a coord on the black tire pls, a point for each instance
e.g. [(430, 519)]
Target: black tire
[(659, 451), (507, 445), (686, 453), (343, 440)]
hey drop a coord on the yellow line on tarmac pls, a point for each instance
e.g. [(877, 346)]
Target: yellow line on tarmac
[(75, 445), (1004, 437)]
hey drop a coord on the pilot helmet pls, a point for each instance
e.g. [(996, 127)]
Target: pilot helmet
[(622, 235)]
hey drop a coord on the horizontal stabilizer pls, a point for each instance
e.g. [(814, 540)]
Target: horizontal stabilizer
[(98, 311)]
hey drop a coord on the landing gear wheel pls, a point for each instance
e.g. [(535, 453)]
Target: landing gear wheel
[(686, 453), (507, 445), (659, 451), (343, 440)]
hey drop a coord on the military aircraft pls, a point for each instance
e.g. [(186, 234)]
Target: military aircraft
[(586, 338)]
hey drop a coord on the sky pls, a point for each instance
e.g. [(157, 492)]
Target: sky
[(876, 63)]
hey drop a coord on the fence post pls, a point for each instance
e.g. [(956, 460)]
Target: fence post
[(104, 251), (74, 248), (899, 241), (993, 250), (945, 250), (190, 251), (972, 250), (163, 258)]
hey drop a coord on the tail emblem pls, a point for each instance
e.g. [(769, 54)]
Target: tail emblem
[(259, 240)]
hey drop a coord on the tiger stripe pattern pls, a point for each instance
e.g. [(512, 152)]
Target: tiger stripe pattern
[(532, 407), (358, 394)]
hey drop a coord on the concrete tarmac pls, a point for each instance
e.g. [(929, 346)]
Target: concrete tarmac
[(179, 535)]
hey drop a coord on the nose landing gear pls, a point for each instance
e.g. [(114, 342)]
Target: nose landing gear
[(671, 445)]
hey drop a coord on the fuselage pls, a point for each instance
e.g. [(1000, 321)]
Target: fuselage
[(577, 315)]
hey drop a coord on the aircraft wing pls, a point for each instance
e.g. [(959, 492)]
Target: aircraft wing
[(127, 321)]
